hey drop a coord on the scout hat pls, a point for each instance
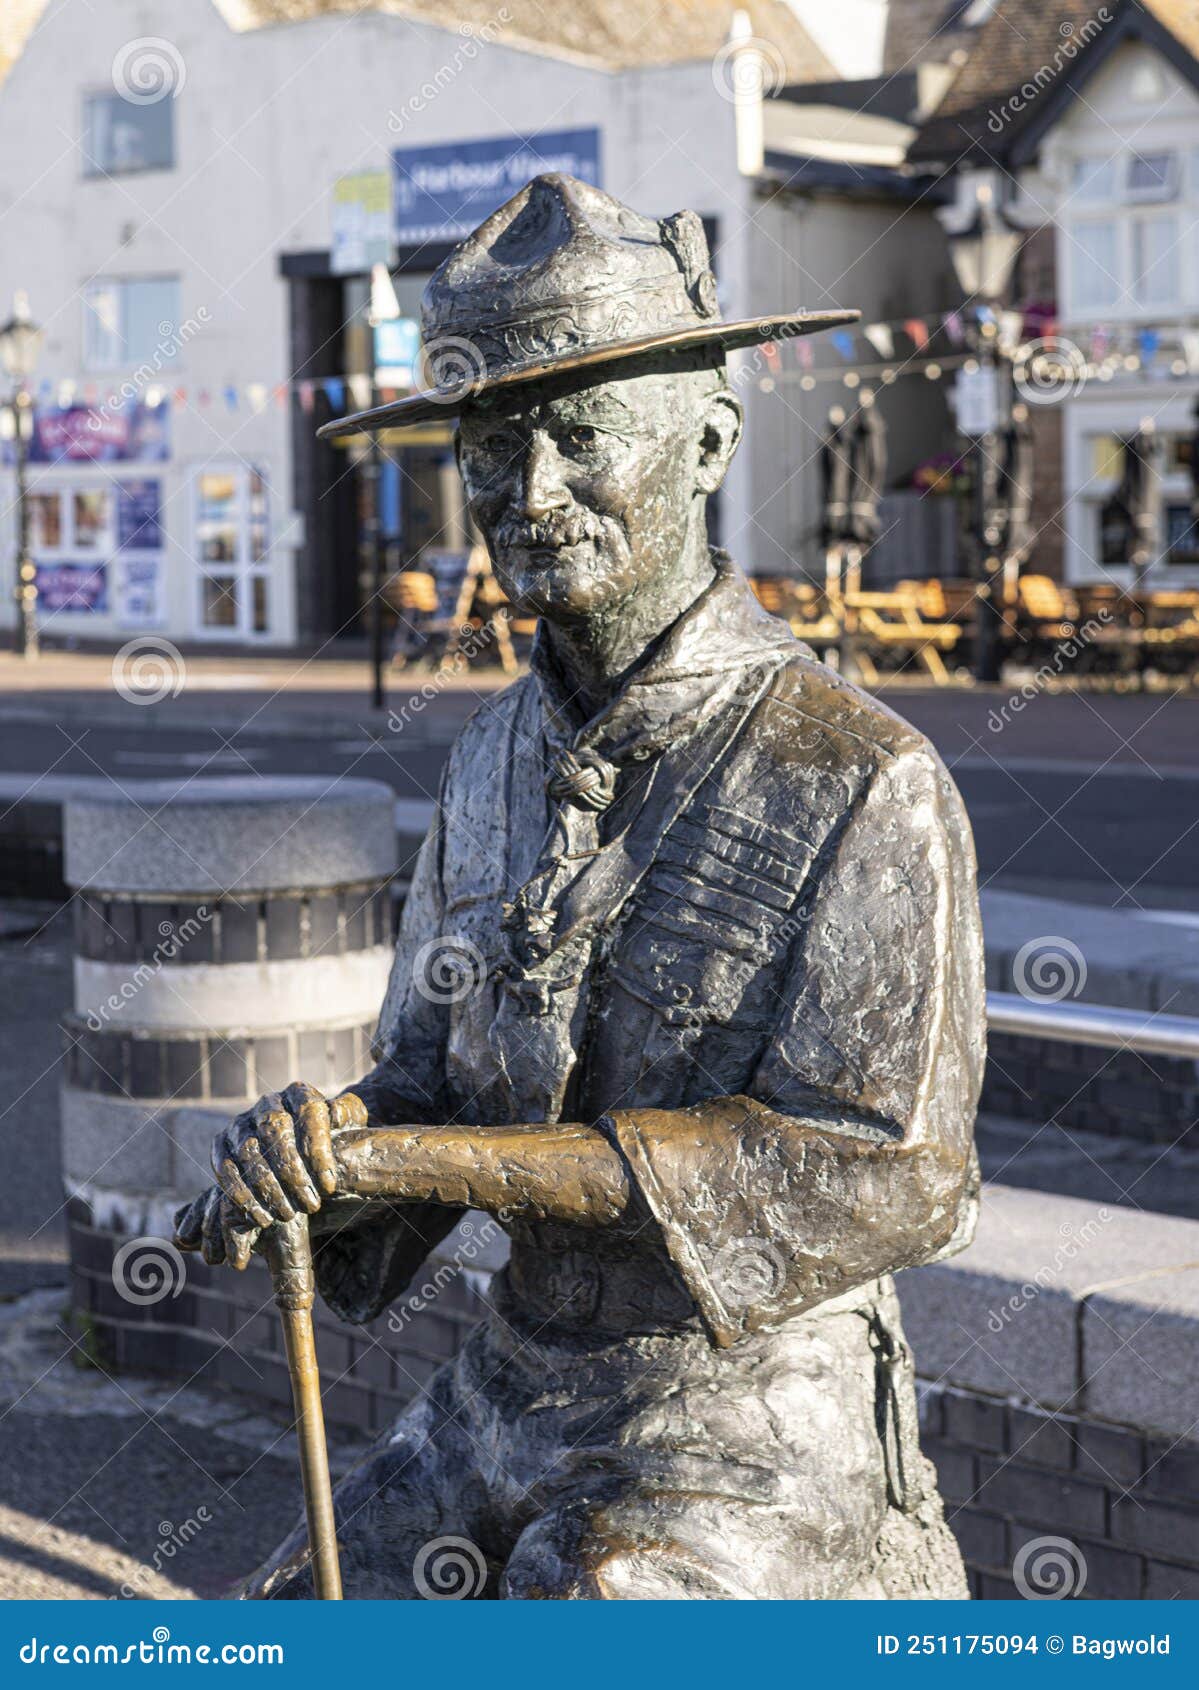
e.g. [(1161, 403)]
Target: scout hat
[(564, 277)]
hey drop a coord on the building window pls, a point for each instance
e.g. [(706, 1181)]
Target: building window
[(121, 136), (1095, 259), (232, 548), (1128, 259), (1152, 176), (73, 522), (131, 322), (1154, 279), (1182, 534)]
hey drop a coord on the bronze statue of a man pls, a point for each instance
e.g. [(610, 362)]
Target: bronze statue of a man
[(688, 991)]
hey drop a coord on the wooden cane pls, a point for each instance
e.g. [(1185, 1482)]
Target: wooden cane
[(287, 1250)]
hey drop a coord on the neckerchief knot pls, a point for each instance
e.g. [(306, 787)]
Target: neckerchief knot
[(581, 777)]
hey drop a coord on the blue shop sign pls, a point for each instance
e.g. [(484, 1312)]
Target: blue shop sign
[(443, 193)]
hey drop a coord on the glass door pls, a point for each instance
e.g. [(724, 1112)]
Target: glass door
[(231, 528)]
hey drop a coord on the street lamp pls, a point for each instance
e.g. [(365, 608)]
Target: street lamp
[(20, 342), (984, 253)]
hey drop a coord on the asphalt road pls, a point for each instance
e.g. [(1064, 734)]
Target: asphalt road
[(1093, 797)]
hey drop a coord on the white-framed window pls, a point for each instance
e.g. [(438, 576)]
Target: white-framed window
[(1098, 466), (231, 546), (73, 520), (129, 321), (122, 136), (1130, 256)]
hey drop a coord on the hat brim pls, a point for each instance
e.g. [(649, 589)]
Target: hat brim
[(447, 402)]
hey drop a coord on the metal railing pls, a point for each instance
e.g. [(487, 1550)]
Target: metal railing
[(1093, 1024)]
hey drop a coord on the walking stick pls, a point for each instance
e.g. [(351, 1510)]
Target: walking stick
[(287, 1250)]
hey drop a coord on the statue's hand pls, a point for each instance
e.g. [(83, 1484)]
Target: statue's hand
[(275, 1159)]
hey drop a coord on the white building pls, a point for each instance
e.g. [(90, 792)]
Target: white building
[(1086, 122), (167, 172)]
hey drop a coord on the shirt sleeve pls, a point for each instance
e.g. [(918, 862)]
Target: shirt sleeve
[(851, 1154), (366, 1251)]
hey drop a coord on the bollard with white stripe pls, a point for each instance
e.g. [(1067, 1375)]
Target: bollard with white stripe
[(231, 935)]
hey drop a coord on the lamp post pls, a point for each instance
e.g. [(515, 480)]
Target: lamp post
[(984, 254), (20, 343), (384, 308)]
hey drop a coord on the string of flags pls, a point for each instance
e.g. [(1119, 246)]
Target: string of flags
[(912, 345), (254, 396)]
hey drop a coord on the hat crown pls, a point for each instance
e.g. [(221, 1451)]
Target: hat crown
[(565, 267)]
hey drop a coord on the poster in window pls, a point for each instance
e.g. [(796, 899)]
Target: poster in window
[(73, 587), (139, 516), (130, 433), (139, 591)]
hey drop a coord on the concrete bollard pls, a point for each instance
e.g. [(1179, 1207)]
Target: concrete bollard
[(231, 935)]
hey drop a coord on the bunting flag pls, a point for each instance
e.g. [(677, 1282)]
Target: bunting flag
[(203, 398), (1190, 348), (843, 341), (880, 337), (180, 396), (1100, 341), (803, 351), (306, 396), (360, 391), (231, 398), (917, 330), (335, 392), (955, 328), (256, 396), (281, 394), (1149, 340), (770, 353)]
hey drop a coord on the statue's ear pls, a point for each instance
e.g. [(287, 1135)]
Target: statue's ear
[(723, 420)]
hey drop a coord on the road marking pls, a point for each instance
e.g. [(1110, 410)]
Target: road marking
[(1067, 766), (190, 759)]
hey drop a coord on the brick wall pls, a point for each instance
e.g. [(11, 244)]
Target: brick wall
[(1009, 1474), (1155, 1099), (222, 1331)]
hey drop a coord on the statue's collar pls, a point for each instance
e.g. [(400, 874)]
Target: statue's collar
[(682, 683)]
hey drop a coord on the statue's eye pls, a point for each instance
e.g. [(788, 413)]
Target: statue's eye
[(582, 436), (497, 443)]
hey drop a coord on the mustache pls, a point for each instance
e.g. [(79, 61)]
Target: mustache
[(565, 528)]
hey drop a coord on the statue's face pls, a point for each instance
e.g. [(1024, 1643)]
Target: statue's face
[(585, 495)]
